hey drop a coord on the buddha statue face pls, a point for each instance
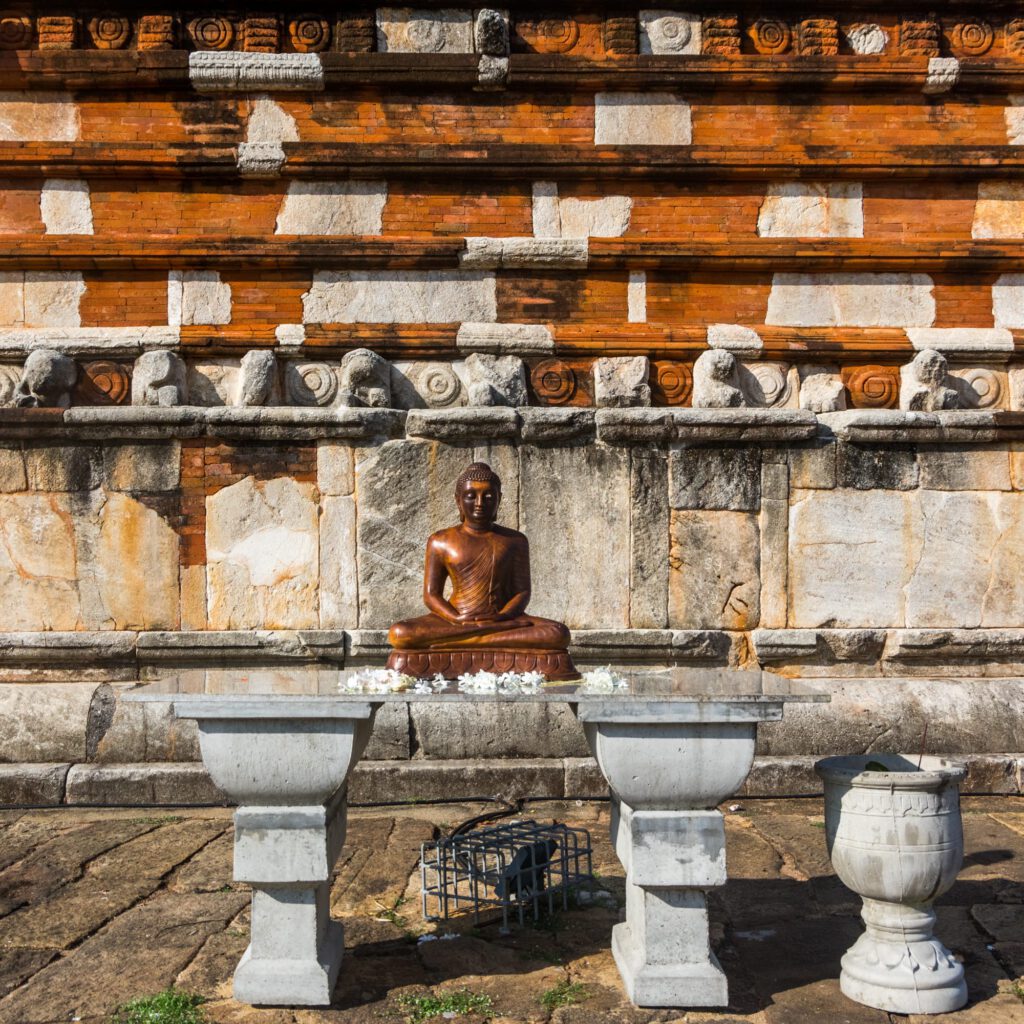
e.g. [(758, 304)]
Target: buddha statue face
[(478, 494)]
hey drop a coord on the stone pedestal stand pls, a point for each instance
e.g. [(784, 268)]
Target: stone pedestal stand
[(286, 766), (668, 765)]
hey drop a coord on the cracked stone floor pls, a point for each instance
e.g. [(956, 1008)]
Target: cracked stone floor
[(100, 906)]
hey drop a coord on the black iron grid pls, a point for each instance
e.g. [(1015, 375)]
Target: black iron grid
[(517, 867)]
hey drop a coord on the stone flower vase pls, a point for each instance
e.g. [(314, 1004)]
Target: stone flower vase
[(895, 839)]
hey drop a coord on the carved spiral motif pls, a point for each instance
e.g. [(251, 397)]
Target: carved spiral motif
[(671, 34), (311, 384), (110, 31), (553, 382), (770, 35), (986, 385), (309, 33), (211, 33), (15, 31), (9, 377), (673, 383), (973, 38), (773, 383), (425, 34), (437, 384), (104, 383), (553, 35), (1015, 37), (874, 387)]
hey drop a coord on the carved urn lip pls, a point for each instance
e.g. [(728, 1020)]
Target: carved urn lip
[(934, 773)]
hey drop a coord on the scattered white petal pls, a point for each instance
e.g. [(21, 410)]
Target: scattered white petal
[(603, 680)]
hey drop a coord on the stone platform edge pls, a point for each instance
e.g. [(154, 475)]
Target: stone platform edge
[(187, 784)]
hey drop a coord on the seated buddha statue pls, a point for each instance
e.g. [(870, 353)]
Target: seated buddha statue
[(482, 624)]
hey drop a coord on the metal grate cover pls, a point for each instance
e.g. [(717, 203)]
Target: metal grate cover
[(517, 867)]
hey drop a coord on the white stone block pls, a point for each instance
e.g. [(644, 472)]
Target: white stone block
[(65, 208), (197, 297), (821, 389), (263, 555), (106, 340), (502, 339), (961, 339), (851, 300), (232, 70), (799, 209), (850, 556), (38, 117), (1008, 300), (670, 32), (867, 38), (483, 253), (339, 602), (269, 125), (332, 208), (400, 296), (1013, 115), (290, 334), (595, 218), (636, 297), (50, 299), (641, 119), (943, 74), (411, 30), (546, 217), (622, 381), (734, 338), (999, 211)]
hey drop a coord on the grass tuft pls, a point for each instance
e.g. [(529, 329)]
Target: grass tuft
[(451, 1004), (167, 1007), (565, 993)]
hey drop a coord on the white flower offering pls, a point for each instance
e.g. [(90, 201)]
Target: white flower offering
[(376, 680), (602, 680), (504, 682)]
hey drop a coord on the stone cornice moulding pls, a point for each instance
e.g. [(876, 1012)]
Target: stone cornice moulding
[(529, 425), (511, 160), (232, 70)]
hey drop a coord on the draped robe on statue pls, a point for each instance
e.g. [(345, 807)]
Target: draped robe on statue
[(487, 570)]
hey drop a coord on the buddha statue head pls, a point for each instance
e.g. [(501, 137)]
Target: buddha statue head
[(478, 495)]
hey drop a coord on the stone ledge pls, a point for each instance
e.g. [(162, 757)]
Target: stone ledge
[(704, 426), (963, 645), (231, 71), (383, 782), (481, 422), (139, 422), (959, 426)]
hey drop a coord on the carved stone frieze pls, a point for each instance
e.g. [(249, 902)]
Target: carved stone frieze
[(919, 37), (554, 382), (110, 31), (770, 36), (720, 35), (16, 31), (671, 382), (872, 387), (817, 37), (620, 35), (46, 380), (103, 382)]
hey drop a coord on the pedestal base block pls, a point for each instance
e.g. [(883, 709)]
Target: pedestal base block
[(675, 985), (277, 981), (456, 661)]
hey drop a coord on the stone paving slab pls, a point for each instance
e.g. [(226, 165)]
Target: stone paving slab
[(101, 906)]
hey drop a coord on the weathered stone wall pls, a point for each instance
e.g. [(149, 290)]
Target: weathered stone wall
[(730, 298), (827, 551)]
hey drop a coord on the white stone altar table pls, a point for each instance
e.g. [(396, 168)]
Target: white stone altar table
[(672, 743)]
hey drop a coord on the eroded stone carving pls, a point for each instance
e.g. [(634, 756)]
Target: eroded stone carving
[(867, 39), (9, 377), (715, 381), (671, 382), (919, 38), (925, 387), (311, 383), (309, 33), (669, 32), (436, 383), (721, 35), (554, 382), (490, 32), (104, 383), (821, 389), (770, 35), (817, 37), (767, 384), (621, 382), (46, 380), (256, 378), (496, 380), (159, 378), (15, 31), (409, 30), (873, 387), (972, 38), (211, 33), (365, 379)]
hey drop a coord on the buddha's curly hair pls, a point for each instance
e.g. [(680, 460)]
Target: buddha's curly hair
[(479, 472)]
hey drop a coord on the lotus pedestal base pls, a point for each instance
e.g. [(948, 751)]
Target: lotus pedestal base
[(453, 662), (898, 965)]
